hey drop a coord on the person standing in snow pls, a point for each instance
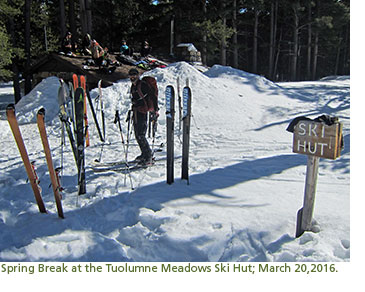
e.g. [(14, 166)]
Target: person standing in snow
[(140, 93)]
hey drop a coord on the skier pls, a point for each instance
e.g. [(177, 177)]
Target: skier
[(140, 93)]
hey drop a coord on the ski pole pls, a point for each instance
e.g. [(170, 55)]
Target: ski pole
[(149, 124), (117, 120), (128, 133)]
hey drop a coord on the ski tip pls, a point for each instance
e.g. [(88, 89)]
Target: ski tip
[(10, 106), (42, 111)]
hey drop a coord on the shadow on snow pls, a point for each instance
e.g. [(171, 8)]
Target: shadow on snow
[(122, 211)]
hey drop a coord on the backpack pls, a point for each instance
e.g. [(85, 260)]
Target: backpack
[(149, 103)]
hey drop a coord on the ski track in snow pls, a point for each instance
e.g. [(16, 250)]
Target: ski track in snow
[(245, 184)]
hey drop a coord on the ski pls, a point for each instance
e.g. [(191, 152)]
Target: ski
[(186, 133), (179, 102), (170, 115), (96, 165), (101, 108), (123, 168), (71, 96), (65, 118), (83, 86), (75, 81), (94, 114), (48, 154), (80, 138), (33, 180)]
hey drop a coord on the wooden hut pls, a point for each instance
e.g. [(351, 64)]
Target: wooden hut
[(64, 66)]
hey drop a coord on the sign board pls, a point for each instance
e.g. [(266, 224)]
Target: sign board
[(317, 139)]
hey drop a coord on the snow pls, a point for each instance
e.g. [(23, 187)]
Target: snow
[(245, 186)]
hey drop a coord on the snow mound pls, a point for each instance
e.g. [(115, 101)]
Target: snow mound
[(260, 82), (43, 95)]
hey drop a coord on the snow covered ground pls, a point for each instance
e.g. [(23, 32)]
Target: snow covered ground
[(245, 189)]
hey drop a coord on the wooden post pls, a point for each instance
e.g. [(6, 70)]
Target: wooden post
[(315, 139), (304, 217)]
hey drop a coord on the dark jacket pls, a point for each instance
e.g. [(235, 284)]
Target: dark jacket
[(141, 93)]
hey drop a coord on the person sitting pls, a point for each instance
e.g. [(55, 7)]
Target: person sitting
[(86, 45), (146, 49), (98, 53), (125, 49), (67, 45)]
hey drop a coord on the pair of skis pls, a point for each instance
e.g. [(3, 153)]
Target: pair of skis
[(80, 139), (29, 167), (170, 120), (77, 117)]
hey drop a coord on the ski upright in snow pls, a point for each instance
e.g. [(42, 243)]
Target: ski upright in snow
[(101, 108), (65, 117), (75, 80), (179, 103), (48, 154), (87, 93), (186, 132), (32, 177), (83, 86), (170, 116), (80, 138)]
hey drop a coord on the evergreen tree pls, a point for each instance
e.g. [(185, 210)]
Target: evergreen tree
[(5, 54), (284, 40)]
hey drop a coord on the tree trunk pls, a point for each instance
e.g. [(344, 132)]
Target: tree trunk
[(294, 63), (277, 56), (315, 55), (28, 80), (346, 57), (309, 42), (223, 40), (273, 28), (14, 63), (315, 45), (204, 52), (72, 19), (337, 57), (62, 19), (255, 38), (83, 18), (234, 39), (88, 16)]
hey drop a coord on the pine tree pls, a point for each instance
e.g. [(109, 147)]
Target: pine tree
[(5, 54)]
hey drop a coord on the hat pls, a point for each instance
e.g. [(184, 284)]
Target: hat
[(133, 71)]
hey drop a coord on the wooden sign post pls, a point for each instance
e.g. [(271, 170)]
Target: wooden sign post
[(317, 140)]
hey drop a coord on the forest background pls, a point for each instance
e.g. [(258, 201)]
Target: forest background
[(283, 40)]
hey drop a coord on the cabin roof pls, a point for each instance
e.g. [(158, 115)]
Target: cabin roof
[(64, 66)]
